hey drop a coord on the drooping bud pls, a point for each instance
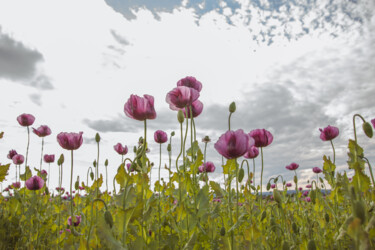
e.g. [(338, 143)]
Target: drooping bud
[(180, 116), (222, 231), (367, 128), (241, 174), (295, 179), (92, 175), (135, 149), (76, 185), (60, 161), (277, 196), (268, 186), (108, 218), (232, 107), (97, 137)]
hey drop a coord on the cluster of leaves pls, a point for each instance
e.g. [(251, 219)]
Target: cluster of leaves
[(190, 212)]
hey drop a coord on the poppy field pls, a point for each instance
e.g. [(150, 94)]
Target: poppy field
[(187, 210)]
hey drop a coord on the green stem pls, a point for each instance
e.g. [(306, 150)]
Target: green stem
[(159, 221), (230, 115), (41, 156), (49, 173), (97, 176), (254, 172), (369, 167), (124, 229), (71, 194), (237, 200), (261, 180), (334, 154), (230, 206)]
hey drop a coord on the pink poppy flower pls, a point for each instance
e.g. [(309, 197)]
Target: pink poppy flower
[(140, 108), (317, 170), (42, 131), (208, 167), (233, 144), (120, 149), (329, 133), (11, 154), (76, 223), (70, 141), (181, 97), (292, 166), (252, 153), (160, 136), (190, 82), (49, 158), (196, 108), (34, 183), (26, 120), (262, 137), (18, 159)]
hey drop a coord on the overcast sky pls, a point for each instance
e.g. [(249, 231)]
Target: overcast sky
[(292, 67)]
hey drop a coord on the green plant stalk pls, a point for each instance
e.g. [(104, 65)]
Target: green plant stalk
[(358, 186), (124, 227), (97, 176), (41, 156), (297, 191), (261, 180), (177, 168), (143, 165), (184, 167), (334, 153), (49, 172), (71, 194), (114, 185), (254, 172), (106, 181), (27, 153), (159, 221), (192, 129), (237, 199), (230, 207), (369, 167), (230, 115)]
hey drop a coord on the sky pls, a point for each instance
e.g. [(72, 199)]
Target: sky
[(291, 66)]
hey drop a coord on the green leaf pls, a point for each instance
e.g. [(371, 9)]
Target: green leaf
[(1, 135), (329, 171), (355, 153), (4, 171), (230, 166), (121, 175), (97, 183), (217, 189), (25, 176)]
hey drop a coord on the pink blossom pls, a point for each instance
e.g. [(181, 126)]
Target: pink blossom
[(251, 153), (317, 170), (308, 199), (49, 158), (292, 166), (160, 136), (329, 133), (208, 167), (42, 131), (34, 183), (26, 120), (76, 223), (70, 141), (11, 154), (273, 185), (190, 82), (373, 123), (233, 144), (120, 149), (18, 159), (289, 184), (181, 97), (196, 108), (262, 137), (140, 108)]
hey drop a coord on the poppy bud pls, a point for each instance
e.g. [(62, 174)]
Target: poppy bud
[(311, 245), (172, 134), (108, 218), (232, 107), (94, 163), (61, 160), (295, 179), (169, 148), (277, 196), (106, 163), (367, 128), (326, 217), (97, 137), (268, 186), (180, 116), (222, 231), (92, 175), (241, 174), (76, 185)]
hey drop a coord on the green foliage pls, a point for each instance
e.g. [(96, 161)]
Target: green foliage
[(3, 171)]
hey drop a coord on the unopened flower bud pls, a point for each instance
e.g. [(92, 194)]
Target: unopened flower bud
[(60, 161), (222, 231), (92, 175), (134, 149), (232, 107), (97, 137), (173, 133), (106, 163), (180, 116), (268, 186), (94, 163), (367, 128), (108, 218), (169, 148)]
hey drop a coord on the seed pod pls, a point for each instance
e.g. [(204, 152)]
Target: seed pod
[(169, 147), (232, 107), (222, 231), (172, 134), (94, 163), (326, 217), (46, 190), (360, 211), (76, 185), (60, 161), (108, 218), (367, 128), (295, 228), (97, 137), (268, 186), (241, 174), (311, 245), (180, 116), (277, 196), (264, 214)]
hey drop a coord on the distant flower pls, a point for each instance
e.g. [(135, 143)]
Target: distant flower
[(308, 199), (70, 141), (208, 167), (317, 170), (160, 136), (300, 188), (49, 158), (58, 189), (305, 193), (42, 131), (196, 108), (120, 149), (273, 185), (373, 123), (289, 184), (34, 183), (129, 167), (6, 189), (206, 139), (11, 154), (181, 97), (16, 184), (308, 186), (262, 137), (233, 144), (43, 172), (216, 200), (76, 223), (26, 120), (18, 159), (292, 166), (329, 133), (251, 153), (140, 108), (190, 82), (81, 188)]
